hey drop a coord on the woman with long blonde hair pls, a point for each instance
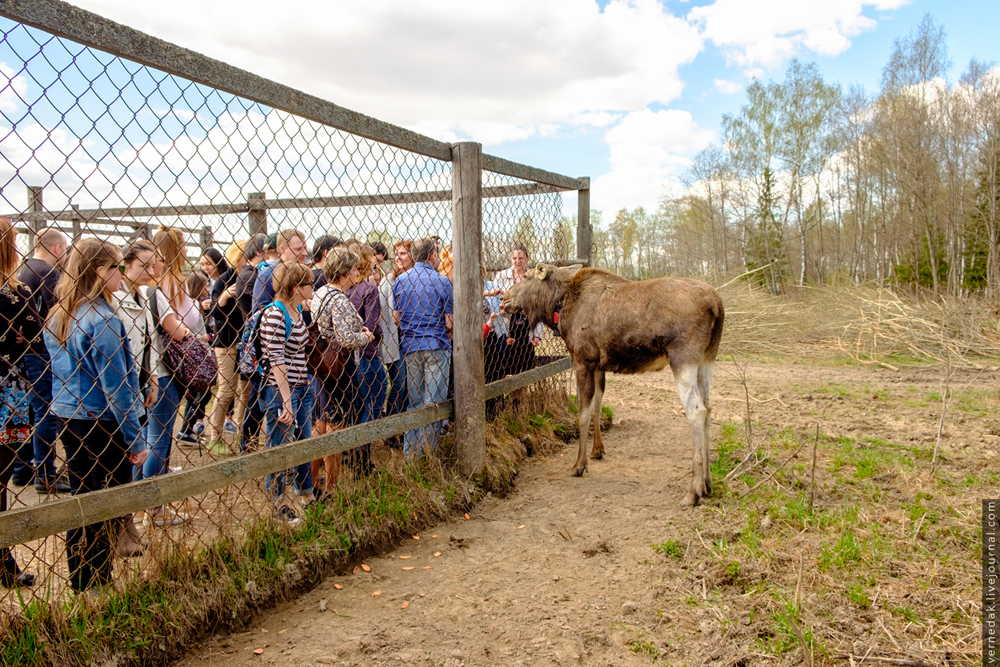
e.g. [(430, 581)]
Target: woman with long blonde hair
[(179, 317), (95, 395)]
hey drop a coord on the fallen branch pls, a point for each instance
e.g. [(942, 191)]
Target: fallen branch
[(774, 472), (906, 662)]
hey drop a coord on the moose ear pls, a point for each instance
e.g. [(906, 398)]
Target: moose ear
[(544, 271)]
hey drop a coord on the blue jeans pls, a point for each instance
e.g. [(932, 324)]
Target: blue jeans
[(43, 439), (160, 428), (426, 383), (278, 434), (370, 380), (396, 374)]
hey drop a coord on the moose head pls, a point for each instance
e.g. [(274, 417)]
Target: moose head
[(540, 294)]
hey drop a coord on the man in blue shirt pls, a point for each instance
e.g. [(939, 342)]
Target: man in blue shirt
[(423, 313), (291, 247)]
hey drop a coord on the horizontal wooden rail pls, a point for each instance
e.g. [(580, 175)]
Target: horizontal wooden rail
[(78, 25), (38, 521), (513, 382), (90, 216)]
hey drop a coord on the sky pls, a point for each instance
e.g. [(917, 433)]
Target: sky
[(623, 91)]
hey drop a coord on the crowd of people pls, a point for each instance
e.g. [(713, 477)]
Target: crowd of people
[(303, 343)]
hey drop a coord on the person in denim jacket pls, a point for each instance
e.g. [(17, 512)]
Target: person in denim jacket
[(95, 396)]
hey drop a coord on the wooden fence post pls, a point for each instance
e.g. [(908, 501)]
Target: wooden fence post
[(583, 230), (467, 355), (77, 223), (206, 237), (35, 206), (257, 209)]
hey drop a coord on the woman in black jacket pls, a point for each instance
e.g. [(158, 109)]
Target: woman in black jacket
[(227, 319)]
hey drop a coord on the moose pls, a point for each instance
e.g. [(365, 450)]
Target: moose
[(611, 324)]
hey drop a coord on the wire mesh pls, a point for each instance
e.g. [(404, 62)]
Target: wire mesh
[(199, 276)]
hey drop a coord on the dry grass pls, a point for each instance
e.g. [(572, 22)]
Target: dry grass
[(866, 323), (184, 593)]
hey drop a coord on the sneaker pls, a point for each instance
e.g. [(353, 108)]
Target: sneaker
[(286, 515), (174, 469), (219, 448), (198, 429), (230, 427), (186, 439), (164, 516)]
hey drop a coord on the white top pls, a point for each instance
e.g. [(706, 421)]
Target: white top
[(505, 280), (388, 349), (134, 313), (190, 317)]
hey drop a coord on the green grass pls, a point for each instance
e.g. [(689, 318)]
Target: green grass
[(846, 550), (670, 548)]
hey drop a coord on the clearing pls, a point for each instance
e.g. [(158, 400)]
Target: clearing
[(610, 570)]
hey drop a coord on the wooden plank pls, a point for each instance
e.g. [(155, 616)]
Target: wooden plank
[(90, 215), (523, 171), (31, 523), (78, 25), (467, 356), (583, 229), (513, 382)]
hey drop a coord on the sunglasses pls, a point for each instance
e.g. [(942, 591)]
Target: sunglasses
[(122, 268)]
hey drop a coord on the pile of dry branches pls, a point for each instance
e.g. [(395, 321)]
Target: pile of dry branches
[(868, 324)]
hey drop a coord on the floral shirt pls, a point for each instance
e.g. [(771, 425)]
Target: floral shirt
[(337, 318)]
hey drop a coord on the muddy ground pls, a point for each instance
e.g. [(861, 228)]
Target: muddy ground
[(562, 571)]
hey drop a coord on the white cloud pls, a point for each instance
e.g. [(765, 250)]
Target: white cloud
[(12, 88), (649, 150), (766, 32), (489, 71), (727, 87)]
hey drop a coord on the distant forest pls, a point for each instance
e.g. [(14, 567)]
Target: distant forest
[(817, 185)]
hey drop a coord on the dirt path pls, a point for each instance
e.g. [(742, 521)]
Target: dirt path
[(559, 573)]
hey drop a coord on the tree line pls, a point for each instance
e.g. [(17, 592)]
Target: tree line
[(813, 184)]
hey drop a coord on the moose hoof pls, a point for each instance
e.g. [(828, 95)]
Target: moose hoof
[(576, 472), (597, 456), (690, 500)]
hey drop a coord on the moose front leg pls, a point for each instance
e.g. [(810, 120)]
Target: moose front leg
[(598, 451), (585, 386)]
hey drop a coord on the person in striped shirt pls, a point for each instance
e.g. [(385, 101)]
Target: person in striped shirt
[(286, 396)]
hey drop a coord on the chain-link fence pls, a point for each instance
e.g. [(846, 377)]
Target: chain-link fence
[(199, 265)]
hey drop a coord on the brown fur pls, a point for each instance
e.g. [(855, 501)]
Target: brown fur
[(611, 324)]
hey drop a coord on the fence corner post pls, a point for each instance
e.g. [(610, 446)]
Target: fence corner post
[(583, 229), (467, 355)]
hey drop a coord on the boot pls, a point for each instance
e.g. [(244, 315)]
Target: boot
[(10, 574)]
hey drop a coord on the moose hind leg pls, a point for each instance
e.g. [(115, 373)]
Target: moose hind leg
[(597, 452), (704, 388), (585, 399), (696, 411)]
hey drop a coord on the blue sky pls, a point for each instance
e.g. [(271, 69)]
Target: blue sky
[(623, 91)]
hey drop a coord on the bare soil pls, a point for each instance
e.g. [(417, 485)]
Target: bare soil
[(562, 572)]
